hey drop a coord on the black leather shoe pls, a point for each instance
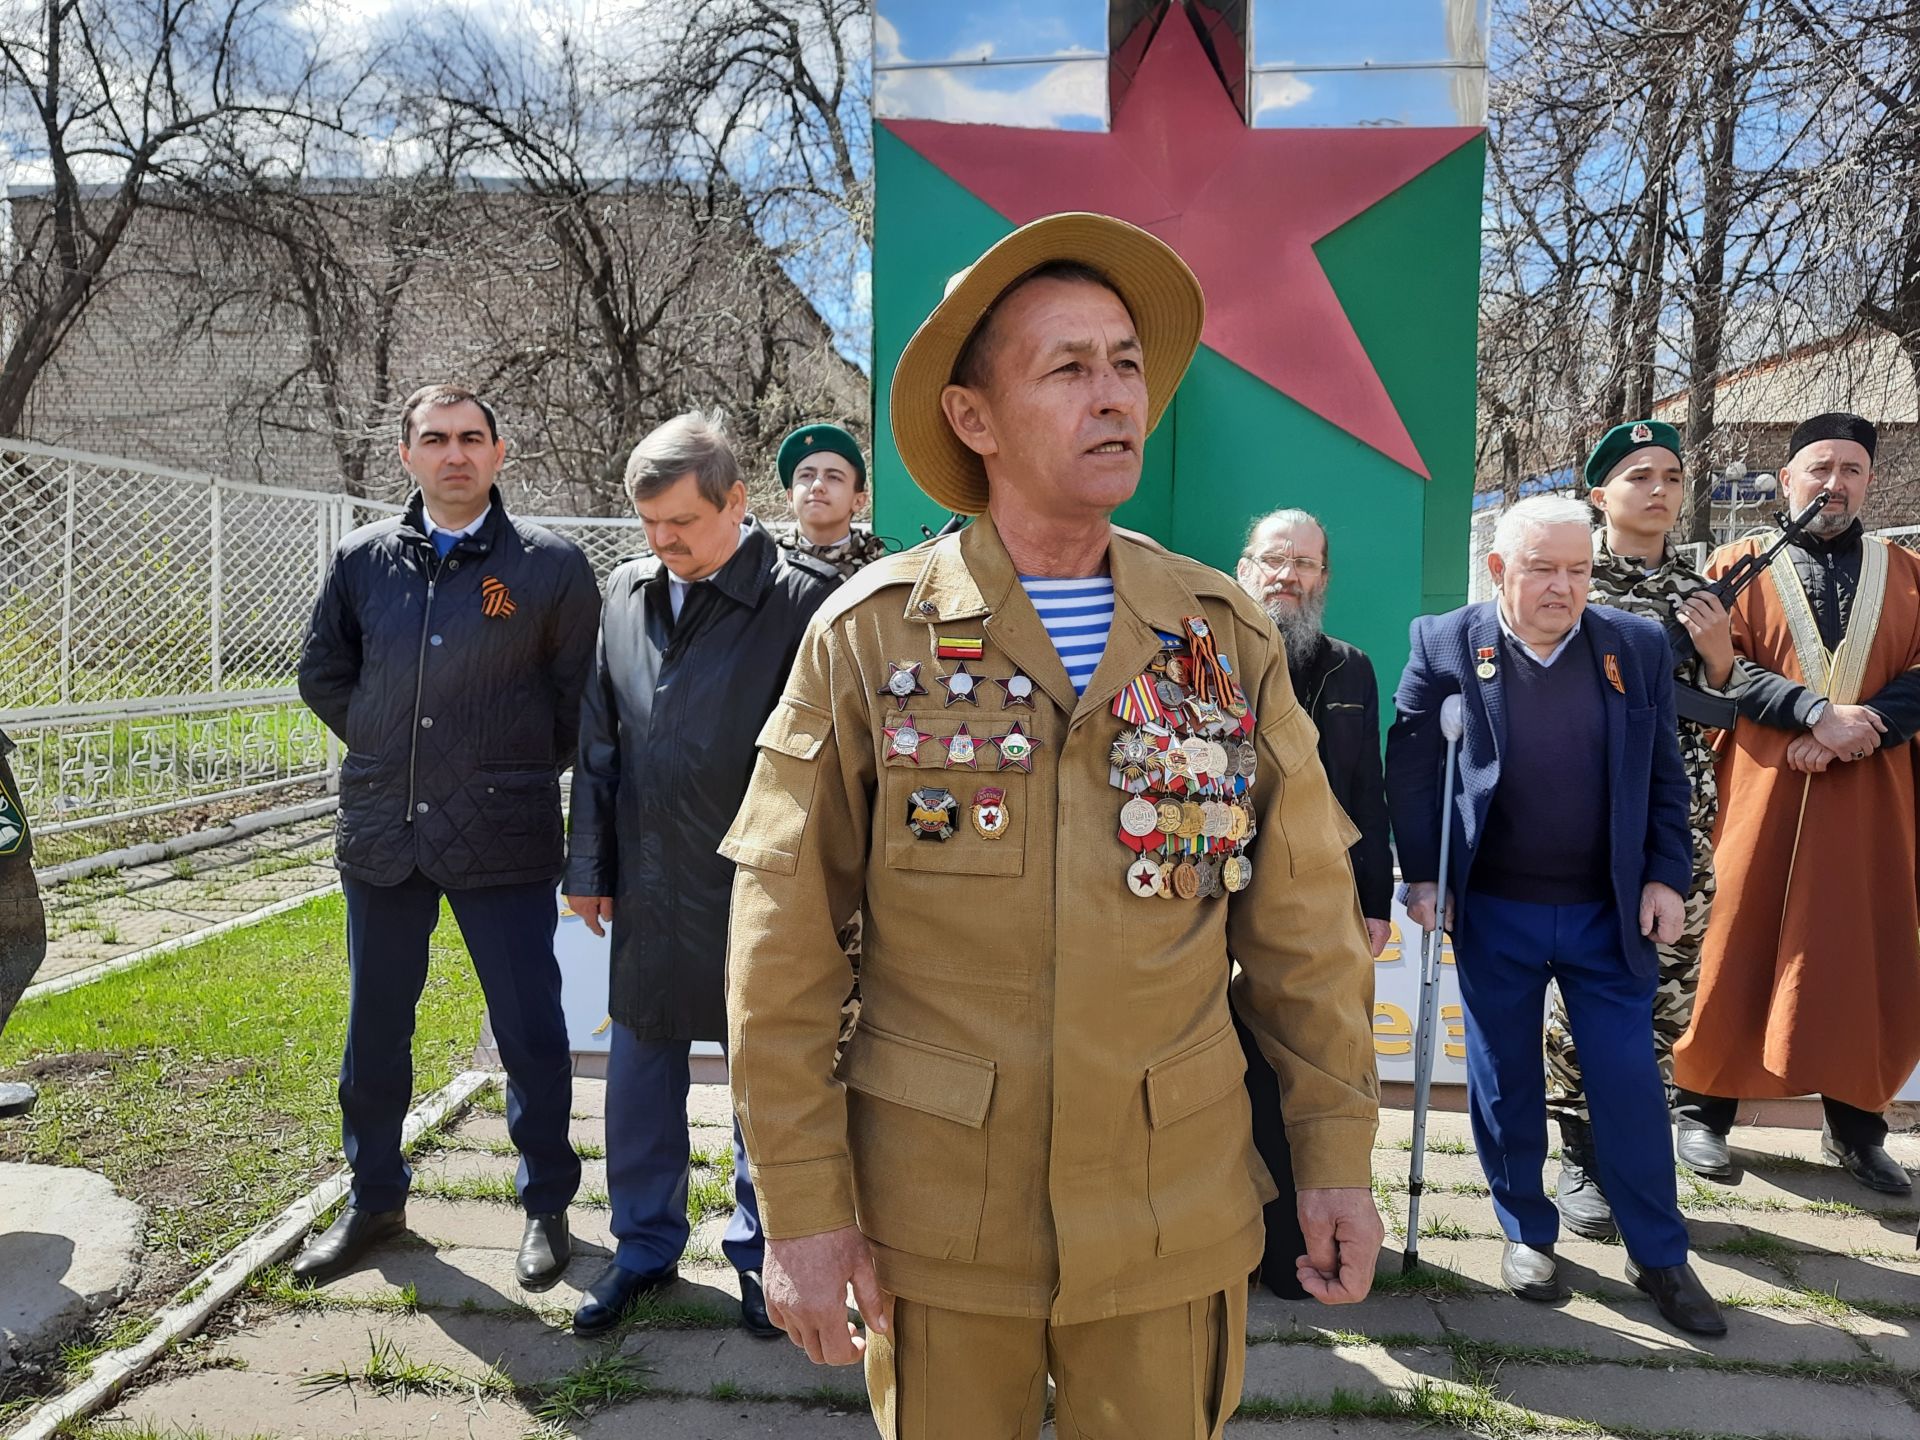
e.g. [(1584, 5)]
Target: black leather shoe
[(616, 1289), (1583, 1207), (16, 1098), (545, 1249), (753, 1308), (345, 1241), (1871, 1165), (1681, 1298), (1703, 1152)]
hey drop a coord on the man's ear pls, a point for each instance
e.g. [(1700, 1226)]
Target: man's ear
[(969, 417), (406, 457), (1496, 567), (1593, 498), (736, 505)]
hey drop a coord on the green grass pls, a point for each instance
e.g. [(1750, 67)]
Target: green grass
[(203, 1083), (77, 1358), (603, 1381), (389, 1370), (1434, 1282)]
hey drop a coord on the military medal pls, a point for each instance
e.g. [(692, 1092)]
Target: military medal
[(960, 685), (1140, 819), (1215, 820), (1167, 816), (1236, 874), (932, 813), (1193, 820), (1143, 877), (1210, 887), (961, 750), (903, 681), (904, 741), (1485, 668), (989, 813), (1186, 880), (1019, 692), (1016, 749)]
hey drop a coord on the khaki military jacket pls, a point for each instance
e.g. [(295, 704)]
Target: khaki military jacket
[(1041, 1112)]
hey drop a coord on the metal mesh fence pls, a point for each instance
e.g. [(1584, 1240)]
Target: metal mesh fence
[(150, 627)]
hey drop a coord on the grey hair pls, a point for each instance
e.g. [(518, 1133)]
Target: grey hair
[(695, 442), (1289, 517), (1519, 522)]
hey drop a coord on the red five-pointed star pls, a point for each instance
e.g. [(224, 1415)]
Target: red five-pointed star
[(1243, 207)]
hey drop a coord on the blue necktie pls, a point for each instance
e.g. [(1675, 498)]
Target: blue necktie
[(443, 542)]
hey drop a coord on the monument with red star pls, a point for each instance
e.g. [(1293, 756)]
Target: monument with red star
[(1341, 269)]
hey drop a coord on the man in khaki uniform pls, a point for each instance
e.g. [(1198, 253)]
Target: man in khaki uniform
[(1040, 752)]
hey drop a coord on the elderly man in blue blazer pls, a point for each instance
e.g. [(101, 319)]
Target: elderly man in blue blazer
[(1569, 857)]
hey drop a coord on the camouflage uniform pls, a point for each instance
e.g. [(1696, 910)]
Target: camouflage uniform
[(861, 547), (1622, 583)]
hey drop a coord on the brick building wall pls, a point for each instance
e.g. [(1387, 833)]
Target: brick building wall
[(197, 351)]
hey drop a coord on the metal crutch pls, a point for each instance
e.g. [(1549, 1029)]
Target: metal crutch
[(1452, 722)]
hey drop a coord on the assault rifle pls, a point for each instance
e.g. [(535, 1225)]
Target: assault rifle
[(1718, 712)]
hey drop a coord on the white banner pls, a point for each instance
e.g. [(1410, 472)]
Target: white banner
[(1396, 1011)]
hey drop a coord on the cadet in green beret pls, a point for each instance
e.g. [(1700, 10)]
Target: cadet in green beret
[(1637, 485), (825, 477)]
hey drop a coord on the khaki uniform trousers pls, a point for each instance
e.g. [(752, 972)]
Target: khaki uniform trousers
[(1172, 1374)]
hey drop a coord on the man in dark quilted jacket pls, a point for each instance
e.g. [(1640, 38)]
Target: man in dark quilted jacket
[(448, 651)]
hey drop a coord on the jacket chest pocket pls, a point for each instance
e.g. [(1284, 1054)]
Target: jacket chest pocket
[(941, 815)]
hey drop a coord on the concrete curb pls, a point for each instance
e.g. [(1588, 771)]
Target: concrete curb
[(73, 979), (185, 844), (213, 1287)]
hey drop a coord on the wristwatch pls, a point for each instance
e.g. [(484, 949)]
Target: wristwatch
[(1819, 709)]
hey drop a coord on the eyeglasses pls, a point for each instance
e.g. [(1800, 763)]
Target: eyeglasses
[(1274, 561)]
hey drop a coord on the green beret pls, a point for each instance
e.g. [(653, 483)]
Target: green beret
[(1621, 441), (811, 440)]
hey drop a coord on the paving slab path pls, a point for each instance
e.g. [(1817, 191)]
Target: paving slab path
[(432, 1336), (103, 917)]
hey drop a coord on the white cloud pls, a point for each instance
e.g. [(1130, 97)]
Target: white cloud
[(1279, 92)]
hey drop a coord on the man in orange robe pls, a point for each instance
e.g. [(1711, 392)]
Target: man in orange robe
[(1810, 974)]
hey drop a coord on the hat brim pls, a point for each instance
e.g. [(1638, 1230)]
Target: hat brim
[(1160, 293)]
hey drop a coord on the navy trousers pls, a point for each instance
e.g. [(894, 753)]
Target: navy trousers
[(509, 933), (1507, 951), (649, 1154)]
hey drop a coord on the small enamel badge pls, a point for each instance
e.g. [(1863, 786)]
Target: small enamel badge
[(903, 681), (1016, 749), (1613, 673), (962, 751), (903, 741), (989, 814), (1642, 433), (1019, 692), (1485, 668), (932, 813), (960, 685)]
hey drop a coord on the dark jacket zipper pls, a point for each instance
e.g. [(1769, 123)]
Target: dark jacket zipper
[(420, 682)]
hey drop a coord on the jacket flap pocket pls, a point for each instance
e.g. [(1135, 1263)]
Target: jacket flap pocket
[(1195, 1078), (795, 728), (925, 1077), (1293, 739)]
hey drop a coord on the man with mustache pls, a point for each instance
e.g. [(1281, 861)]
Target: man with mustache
[(1635, 483), (447, 650), (695, 644), (1285, 568), (1810, 973)]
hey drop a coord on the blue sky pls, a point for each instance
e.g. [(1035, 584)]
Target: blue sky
[(1072, 94)]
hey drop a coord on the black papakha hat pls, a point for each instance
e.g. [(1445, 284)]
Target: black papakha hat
[(1621, 441), (1834, 425)]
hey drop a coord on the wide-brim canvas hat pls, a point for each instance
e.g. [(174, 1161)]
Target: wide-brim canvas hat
[(1160, 293)]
